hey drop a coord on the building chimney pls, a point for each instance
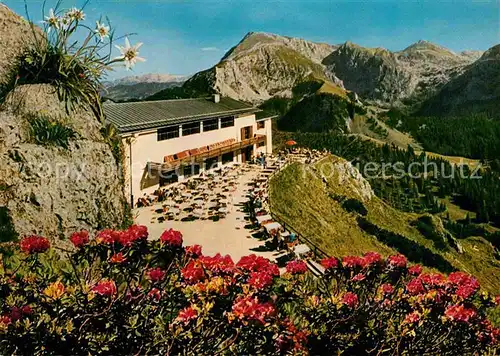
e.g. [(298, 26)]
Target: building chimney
[(216, 98)]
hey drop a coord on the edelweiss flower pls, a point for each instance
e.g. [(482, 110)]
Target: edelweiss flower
[(52, 20), (102, 30), (130, 54), (64, 22), (76, 14)]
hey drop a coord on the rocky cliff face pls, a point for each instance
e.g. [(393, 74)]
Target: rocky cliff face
[(53, 191), (390, 77), (15, 35), (265, 65), (477, 88), (49, 190), (372, 73)]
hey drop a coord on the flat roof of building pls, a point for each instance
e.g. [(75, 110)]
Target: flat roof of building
[(144, 115)]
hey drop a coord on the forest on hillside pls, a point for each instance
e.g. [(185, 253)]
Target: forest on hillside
[(473, 136), (424, 188)]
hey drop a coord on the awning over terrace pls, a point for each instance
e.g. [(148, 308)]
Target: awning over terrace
[(201, 153)]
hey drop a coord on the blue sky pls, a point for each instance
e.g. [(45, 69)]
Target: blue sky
[(183, 37)]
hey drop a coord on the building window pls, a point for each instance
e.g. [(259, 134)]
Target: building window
[(168, 178), (211, 163), (190, 129), (210, 125), (167, 133), (227, 122), (261, 144), (261, 125), (227, 157), (191, 170)]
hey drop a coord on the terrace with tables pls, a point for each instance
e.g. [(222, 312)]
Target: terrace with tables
[(227, 211)]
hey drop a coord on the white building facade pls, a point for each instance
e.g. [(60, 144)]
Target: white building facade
[(171, 140)]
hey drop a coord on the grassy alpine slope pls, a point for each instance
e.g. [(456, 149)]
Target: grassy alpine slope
[(312, 208)]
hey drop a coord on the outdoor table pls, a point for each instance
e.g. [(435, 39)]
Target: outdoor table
[(198, 212), (272, 226), (301, 249), (285, 234), (223, 211), (174, 211), (262, 218)]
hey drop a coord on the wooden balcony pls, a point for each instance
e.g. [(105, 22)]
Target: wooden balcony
[(200, 157)]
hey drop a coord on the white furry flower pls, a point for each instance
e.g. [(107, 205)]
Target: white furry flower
[(130, 54), (102, 30), (52, 20), (76, 14)]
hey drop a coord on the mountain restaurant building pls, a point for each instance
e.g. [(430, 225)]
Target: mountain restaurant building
[(170, 140)]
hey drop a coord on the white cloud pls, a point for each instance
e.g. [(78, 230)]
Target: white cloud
[(209, 49)]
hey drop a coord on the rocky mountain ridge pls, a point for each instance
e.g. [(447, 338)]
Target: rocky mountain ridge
[(477, 88), (147, 78), (141, 86), (263, 65)]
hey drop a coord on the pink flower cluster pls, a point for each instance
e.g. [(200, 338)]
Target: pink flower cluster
[(460, 313), (397, 261), (156, 274), (34, 244), (260, 280), (171, 238), (218, 264), (187, 314), (350, 299), (80, 239), (193, 272), (193, 251), (464, 284), (330, 263), (250, 309), (105, 288), (125, 238), (257, 264), (296, 267)]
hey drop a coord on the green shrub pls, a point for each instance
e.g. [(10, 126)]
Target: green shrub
[(411, 249), (425, 225), (317, 113), (76, 80), (354, 205), (7, 231), (48, 132)]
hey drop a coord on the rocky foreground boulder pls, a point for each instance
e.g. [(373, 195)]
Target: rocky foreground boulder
[(50, 190), (15, 35), (54, 191)]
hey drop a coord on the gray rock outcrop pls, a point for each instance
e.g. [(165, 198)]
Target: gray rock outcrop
[(49, 190), (384, 77)]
